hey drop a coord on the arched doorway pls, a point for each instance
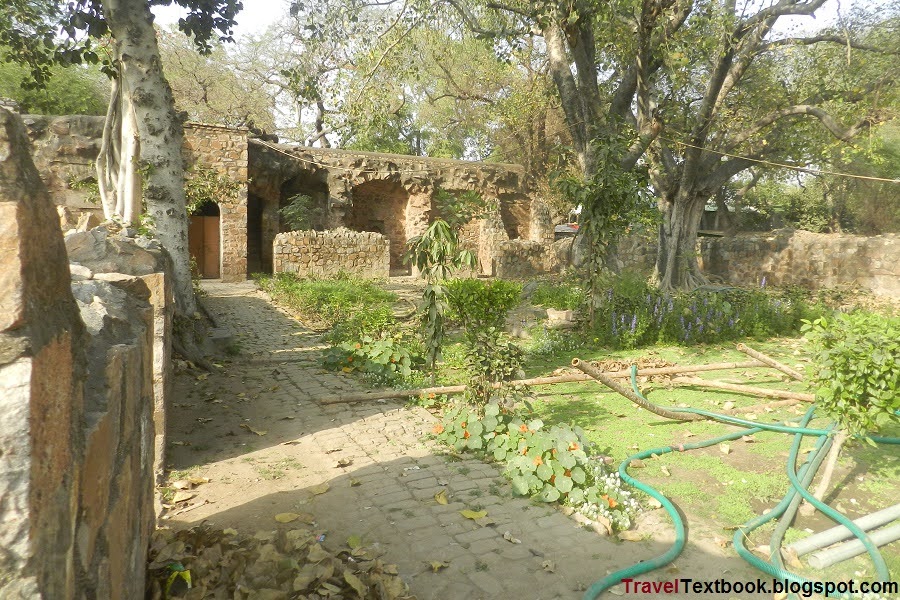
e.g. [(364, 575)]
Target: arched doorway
[(380, 206), (203, 241)]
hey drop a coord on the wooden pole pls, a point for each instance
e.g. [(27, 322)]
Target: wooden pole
[(770, 361), (744, 389), (568, 378)]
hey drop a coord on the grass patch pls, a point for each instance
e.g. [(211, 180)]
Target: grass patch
[(323, 303)]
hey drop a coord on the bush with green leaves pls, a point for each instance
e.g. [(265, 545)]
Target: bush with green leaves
[(384, 361), (375, 321), (300, 212), (479, 304), (550, 464), (492, 359), (631, 313), (855, 369)]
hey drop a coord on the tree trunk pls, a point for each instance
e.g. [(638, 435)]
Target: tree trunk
[(160, 132), (676, 257)]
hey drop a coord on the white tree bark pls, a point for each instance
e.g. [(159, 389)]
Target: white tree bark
[(151, 113)]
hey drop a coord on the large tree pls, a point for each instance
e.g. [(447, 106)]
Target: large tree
[(682, 78), (141, 153)]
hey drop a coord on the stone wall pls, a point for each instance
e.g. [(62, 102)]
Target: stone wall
[(811, 260), (788, 257), (327, 253), (83, 354), (65, 148), (224, 149), (520, 258)]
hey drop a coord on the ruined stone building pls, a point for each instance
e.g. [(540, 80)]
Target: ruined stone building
[(390, 195)]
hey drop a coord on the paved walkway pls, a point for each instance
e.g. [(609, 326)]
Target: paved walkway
[(368, 470)]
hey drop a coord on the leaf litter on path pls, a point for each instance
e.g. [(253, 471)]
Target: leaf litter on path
[(276, 564)]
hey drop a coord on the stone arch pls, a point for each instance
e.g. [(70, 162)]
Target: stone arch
[(307, 183), (380, 206)]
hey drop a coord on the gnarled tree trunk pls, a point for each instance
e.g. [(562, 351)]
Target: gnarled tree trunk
[(676, 257), (147, 106)]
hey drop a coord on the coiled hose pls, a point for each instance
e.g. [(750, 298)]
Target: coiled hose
[(799, 481)]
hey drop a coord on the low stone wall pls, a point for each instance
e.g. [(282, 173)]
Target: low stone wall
[(84, 366), (327, 253), (811, 260), (518, 258), (789, 257)]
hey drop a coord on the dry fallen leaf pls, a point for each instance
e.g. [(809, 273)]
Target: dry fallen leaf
[(344, 462), (252, 430), (437, 565), (182, 496), (630, 536), (441, 497), (354, 541), (549, 566), (473, 514), (665, 471), (355, 583), (320, 489), (509, 538), (637, 463), (725, 448), (286, 517), (355, 482), (181, 484)]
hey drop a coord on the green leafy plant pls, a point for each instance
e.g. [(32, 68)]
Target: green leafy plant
[(329, 301), (436, 254), (559, 295), (204, 185), (855, 372), (300, 212), (491, 361), (382, 360), (551, 465), (480, 304)]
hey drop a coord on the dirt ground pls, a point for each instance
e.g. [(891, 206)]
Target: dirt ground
[(257, 431)]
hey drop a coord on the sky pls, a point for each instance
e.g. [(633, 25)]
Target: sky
[(259, 14)]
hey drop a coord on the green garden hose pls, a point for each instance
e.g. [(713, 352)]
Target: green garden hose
[(799, 481)]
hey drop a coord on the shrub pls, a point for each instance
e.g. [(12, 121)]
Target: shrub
[(479, 304), (632, 313), (382, 360), (491, 359), (548, 464), (374, 322), (855, 369)]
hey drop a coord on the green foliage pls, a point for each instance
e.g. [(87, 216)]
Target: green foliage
[(630, 312), (551, 465), (326, 302), (299, 212), (203, 185), (459, 208), (385, 360), (491, 359), (374, 321), (478, 304), (436, 253), (855, 369), (75, 90), (559, 295)]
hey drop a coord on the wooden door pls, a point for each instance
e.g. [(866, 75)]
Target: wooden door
[(203, 245)]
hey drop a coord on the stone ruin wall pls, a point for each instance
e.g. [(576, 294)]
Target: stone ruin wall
[(84, 376), (64, 151), (789, 257), (361, 190), (226, 150), (328, 253)]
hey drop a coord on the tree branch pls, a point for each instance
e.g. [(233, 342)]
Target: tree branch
[(829, 38), (830, 123)]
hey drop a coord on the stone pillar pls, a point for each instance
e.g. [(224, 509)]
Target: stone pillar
[(41, 378), (233, 240)]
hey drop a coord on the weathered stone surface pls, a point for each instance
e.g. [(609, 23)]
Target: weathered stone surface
[(788, 257), (105, 252), (77, 397), (40, 377), (327, 253)]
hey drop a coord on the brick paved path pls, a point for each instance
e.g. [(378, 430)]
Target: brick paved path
[(381, 474)]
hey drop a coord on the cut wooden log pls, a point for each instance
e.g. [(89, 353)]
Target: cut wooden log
[(770, 361), (744, 389)]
